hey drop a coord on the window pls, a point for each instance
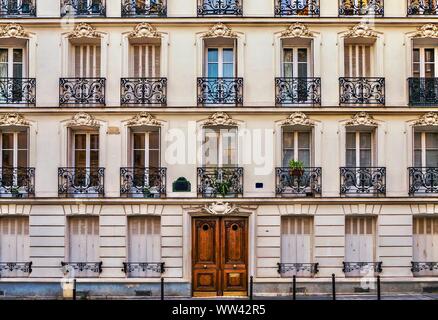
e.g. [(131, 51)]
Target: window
[(424, 65), (357, 60), (426, 149), (296, 62), (11, 63), (220, 63), (145, 60), (84, 242), (14, 242), (146, 149), (144, 243), (425, 238), (296, 242), (359, 150), (296, 146), (14, 149), (85, 150), (220, 146), (86, 60)]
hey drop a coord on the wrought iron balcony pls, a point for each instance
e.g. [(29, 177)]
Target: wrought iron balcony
[(361, 268), (298, 91), (81, 182), (220, 8), (305, 183), (143, 91), (303, 269), (17, 182), (423, 180), (82, 91), (309, 8), (368, 181), (424, 268), (141, 8), (83, 8), (362, 91), (18, 91), (226, 182), (15, 269), (422, 8), (17, 8), (349, 8), (143, 182), (423, 92), (220, 91), (81, 269), (143, 269)]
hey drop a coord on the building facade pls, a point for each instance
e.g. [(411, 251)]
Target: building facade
[(208, 141)]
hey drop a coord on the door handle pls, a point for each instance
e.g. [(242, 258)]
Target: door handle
[(234, 266), (205, 266)]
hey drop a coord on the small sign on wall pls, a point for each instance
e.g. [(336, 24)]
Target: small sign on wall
[(113, 130)]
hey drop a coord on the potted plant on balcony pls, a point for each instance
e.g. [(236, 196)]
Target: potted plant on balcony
[(15, 192), (146, 192), (296, 168), (223, 187)]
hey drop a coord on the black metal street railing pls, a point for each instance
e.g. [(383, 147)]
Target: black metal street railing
[(83, 8), (220, 182), (361, 268), (17, 182), (220, 8), (425, 268), (362, 91), (363, 181), (309, 8), (81, 182), (143, 269), (423, 180), (17, 8), (15, 269), (81, 269), (143, 91), (422, 7), (141, 8), (348, 8), (82, 91), (143, 182), (298, 91), (298, 268), (18, 91), (216, 91), (305, 183), (423, 92)]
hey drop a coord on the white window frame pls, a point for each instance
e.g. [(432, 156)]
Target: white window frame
[(296, 147), (358, 146), (11, 60), (422, 49), (156, 51), (87, 49), (220, 146), (295, 62), (423, 147), (363, 68), (87, 146), (146, 147), (15, 147), (220, 58)]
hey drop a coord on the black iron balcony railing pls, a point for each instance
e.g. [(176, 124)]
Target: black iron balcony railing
[(143, 91), (142, 8), (17, 8), (309, 8), (361, 268), (424, 268), (362, 91), (422, 7), (82, 91), (298, 91), (369, 181), (81, 269), (220, 8), (83, 8), (214, 91), (143, 182), (17, 182), (81, 182), (348, 8), (423, 180), (15, 269), (303, 183), (143, 269), (18, 91), (298, 268), (423, 92), (226, 182)]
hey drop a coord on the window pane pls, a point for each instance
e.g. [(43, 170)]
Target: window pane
[(210, 146), (8, 158), (302, 55), (213, 70), (154, 140), (351, 158), (432, 158), (228, 56), (365, 140), (139, 158), (432, 140), (365, 158), (228, 70), (417, 140), (80, 158), (288, 55), (288, 140), (416, 55), (22, 140), (212, 55), (429, 55), (302, 70), (94, 158), (288, 155), (139, 141), (8, 141), (22, 158), (18, 55), (303, 140), (351, 140), (154, 158), (304, 156), (94, 141), (288, 70), (417, 158), (80, 141)]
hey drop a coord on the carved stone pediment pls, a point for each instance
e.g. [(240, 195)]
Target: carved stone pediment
[(144, 30), (83, 119), (220, 119), (297, 118), (361, 30), (13, 30), (13, 119), (428, 119), (143, 119), (297, 30), (427, 31), (361, 119), (83, 30), (220, 30), (221, 208)]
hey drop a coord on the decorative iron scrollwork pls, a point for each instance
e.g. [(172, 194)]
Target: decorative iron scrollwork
[(423, 180), (17, 182), (423, 92), (363, 180), (144, 91), (83, 8), (81, 182), (362, 91), (23, 267), (311, 268), (306, 183), (422, 7), (82, 91), (146, 182), (363, 267), (136, 8), (213, 91), (309, 8), (361, 8), (301, 91), (424, 266), (220, 7), (215, 181), (15, 8), (95, 267), (157, 267), (18, 91)]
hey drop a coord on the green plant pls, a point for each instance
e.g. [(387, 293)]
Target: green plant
[(146, 191), (223, 187), (15, 191), (296, 168)]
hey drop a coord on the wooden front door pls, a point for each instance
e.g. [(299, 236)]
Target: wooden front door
[(220, 256)]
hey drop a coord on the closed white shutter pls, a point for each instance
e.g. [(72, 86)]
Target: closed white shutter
[(14, 242), (144, 243), (357, 60), (146, 61), (296, 242), (425, 238), (87, 61)]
